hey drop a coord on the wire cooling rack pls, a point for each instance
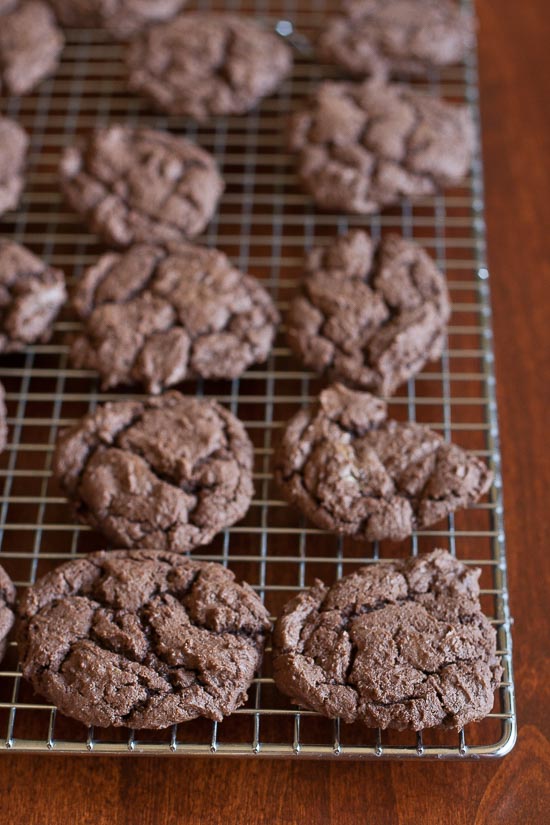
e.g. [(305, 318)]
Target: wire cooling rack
[(264, 223)]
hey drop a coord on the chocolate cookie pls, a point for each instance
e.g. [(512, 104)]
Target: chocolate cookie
[(7, 591), (379, 37), (31, 295), (363, 146), (3, 422), (402, 645), (167, 472), (156, 315), (370, 314), (353, 471), (141, 639), (121, 18), (13, 153), (141, 185), (30, 45), (205, 64)]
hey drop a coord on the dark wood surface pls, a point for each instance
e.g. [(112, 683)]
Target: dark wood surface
[(515, 93)]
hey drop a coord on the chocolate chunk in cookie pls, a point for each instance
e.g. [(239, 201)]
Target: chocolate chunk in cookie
[(136, 185), (379, 37), (370, 314), (31, 295), (121, 18), (141, 639), (353, 471), (30, 45), (7, 589), (363, 146), (205, 64), (168, 472), (157, 315), (13, 153), (402, 645)]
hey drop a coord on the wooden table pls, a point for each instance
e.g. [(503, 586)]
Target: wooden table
[(515, 68)]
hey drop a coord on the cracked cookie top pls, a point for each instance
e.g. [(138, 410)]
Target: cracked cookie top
[(157, 315), (7, 595), (402, 645), (353, 471), (121, 18), (13, 154), (30, 45), (31, 295), (135, 185), (142, 639), (378, 37), (168, 472), (363, 146), (370, 314), (205, 64)]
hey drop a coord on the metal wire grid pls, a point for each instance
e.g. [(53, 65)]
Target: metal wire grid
[(264, 223)]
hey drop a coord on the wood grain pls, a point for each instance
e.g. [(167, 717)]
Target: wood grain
[(515, 66)]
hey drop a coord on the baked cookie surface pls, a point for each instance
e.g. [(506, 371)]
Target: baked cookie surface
[(7, 594), (141, 639), (14, 143), (369, 314), (135, 185), (204, 64), (157, 315), (168, 473), (393, 645), (353, 471), (30, 45), (364, 146), (380, 37), (31, 295), (121, 18)]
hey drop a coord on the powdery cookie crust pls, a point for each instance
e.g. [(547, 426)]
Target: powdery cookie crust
[(205, 64), (157, 315), (402, 645), (134, 185), (353, 471), (369, 314), (167, 473), (14, 143), (121, 18), (363, 146), (380, 37), (31, 295), (141, 639), (7, 595), (30, 45)]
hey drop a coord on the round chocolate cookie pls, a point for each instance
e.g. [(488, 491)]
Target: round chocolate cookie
[(121, 18), (168, 472), (378, 37), (353, 471), (30, 45), (156, 315), (402, 645), (205, 64), (7, 589), (14, 143), (370, 314), (141, 185), (363, 146), (31, 295), (141, 639)]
